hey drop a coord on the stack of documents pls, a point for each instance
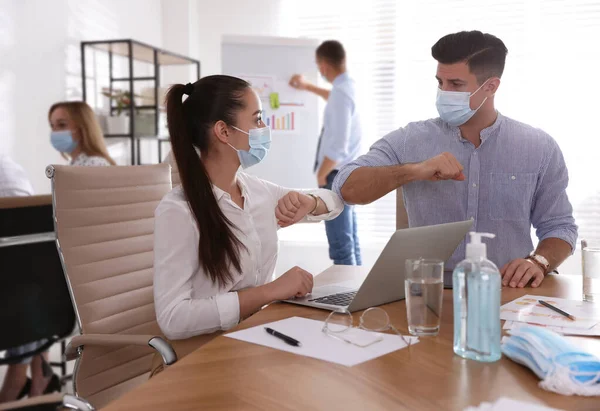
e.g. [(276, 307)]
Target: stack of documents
[(527, 310)]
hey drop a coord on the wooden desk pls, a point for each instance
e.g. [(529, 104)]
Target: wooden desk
[(228, 374)]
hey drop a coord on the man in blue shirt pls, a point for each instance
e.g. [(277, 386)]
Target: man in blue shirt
[(473, 162), (339, 143)]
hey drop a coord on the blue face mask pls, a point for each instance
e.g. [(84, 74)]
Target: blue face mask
[(63, 141), (563, 367), (454, 107), (260, 143)]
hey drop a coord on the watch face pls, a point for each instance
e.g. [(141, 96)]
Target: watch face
[(540, 259)]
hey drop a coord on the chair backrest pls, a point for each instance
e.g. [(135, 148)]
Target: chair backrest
[(105, 233), (170, 159), (34, 295)]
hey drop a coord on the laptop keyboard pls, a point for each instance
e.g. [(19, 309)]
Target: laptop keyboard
[(341, 299)]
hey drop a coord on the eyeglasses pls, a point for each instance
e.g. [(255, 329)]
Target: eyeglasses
[(339, 323)]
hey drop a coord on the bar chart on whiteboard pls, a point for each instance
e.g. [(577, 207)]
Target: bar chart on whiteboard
[(285, 122)]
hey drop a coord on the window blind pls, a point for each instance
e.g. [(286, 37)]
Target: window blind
[(549, 81)]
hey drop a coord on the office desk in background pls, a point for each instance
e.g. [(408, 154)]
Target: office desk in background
[(228, 374)]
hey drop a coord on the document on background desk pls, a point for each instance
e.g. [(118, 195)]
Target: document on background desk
[(317, 344), (508, 404), (527, 310)]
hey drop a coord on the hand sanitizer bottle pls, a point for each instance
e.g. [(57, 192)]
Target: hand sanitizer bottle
[(476, 290)]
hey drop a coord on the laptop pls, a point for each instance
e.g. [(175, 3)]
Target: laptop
[(385, 281)]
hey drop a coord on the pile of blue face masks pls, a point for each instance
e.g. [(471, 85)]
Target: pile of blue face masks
[(562, 366)]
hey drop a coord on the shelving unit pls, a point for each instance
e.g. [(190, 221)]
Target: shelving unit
[(132, 51)]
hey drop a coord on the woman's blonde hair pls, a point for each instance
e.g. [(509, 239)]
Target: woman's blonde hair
[(92, 141)]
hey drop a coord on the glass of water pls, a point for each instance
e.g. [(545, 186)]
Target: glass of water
[(590, 256), (424, 286)]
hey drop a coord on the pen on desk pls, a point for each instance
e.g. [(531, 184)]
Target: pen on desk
[(558, 310), (283, 337)]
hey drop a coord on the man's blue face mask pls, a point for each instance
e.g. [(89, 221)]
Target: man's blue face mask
[(454, 107), (564, 367)]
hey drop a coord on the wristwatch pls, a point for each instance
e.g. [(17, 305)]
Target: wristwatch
[(541, 261)]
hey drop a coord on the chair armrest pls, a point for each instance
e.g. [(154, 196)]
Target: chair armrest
[(70, 402), (33, 402), (118, 340)]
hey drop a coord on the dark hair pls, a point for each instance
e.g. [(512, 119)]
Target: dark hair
[(484, 54), (211, 99), (332, 52)]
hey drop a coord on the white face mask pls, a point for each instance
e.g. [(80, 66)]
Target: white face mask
[(454, 107)]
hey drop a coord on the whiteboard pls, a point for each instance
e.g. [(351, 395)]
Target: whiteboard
[(268, 63)]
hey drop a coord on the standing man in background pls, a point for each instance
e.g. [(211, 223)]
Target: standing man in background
[(339, 143)]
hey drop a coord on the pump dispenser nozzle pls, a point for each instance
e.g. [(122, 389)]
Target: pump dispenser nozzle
[(476, 248)]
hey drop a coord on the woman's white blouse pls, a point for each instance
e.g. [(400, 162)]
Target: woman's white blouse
[(187, 302), (84, 160)]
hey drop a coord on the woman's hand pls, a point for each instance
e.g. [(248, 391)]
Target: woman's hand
[(294, 283), (293, 207)]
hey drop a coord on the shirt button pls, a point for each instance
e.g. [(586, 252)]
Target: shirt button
[(474, 185), (513, 178)]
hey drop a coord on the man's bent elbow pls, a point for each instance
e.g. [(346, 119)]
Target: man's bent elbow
[(351, 195)]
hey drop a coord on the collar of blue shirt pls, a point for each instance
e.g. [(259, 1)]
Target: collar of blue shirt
[(485, 133), (341, 78)]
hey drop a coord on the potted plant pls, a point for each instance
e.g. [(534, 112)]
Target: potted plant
[(118, 122)]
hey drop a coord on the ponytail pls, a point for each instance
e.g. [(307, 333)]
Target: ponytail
[(218, 248)]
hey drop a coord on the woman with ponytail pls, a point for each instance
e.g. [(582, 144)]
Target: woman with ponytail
[(215, 244)]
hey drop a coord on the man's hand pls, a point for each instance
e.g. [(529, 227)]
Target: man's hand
[(298, 82), (519, 272), (293, 207), (442, 167)]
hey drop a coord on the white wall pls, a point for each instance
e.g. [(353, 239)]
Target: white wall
[(40, 65), (236, 17)]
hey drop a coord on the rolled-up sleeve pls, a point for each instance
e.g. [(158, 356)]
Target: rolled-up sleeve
[(337, 126), (552, 213), (179, 315), (385, 152)]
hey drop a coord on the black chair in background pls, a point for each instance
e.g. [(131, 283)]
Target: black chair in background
[(34, 299)]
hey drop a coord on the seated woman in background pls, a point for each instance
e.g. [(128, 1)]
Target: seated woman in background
[(77, 134), (215, 239)]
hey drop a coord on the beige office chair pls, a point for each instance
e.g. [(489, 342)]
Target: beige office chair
[(104, 219), (170, 159)]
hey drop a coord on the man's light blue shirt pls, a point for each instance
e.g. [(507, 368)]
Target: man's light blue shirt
[(516, 178), (340, 139)]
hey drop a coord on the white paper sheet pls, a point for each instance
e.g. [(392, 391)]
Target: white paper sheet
[(316, 344), (591, 332), (527, 310), (508, 404)]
